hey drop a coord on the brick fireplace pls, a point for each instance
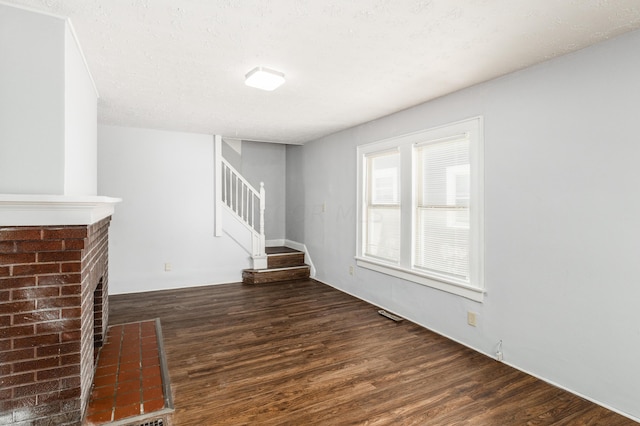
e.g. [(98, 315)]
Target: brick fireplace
[(53, 317)]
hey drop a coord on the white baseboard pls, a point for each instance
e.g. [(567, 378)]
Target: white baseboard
[(551, 382), (307, 257)]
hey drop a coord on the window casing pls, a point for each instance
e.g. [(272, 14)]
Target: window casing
[(420, 207)]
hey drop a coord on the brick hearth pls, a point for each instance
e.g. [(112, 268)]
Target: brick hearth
[(53, 313)]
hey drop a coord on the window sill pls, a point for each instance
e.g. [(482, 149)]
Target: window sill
[(459, 289)]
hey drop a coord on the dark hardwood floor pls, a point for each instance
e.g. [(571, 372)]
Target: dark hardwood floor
[(303, 353)]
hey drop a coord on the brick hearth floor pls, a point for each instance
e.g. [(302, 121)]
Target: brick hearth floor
[(128, 379)]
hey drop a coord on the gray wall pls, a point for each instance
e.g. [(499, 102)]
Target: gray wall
[(266, 162), (295, 214), (562, 220)]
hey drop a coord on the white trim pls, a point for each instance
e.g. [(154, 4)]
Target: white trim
[(416, 137), (84, 59), (275, 243), (260, 262), (54, 210), (307, 257), (405, 144), (217, 161), (439, 283), (295, 245), (552, 383), (286, 268), (537, 376)]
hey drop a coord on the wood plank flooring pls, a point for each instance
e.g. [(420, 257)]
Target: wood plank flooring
[(303, 353)]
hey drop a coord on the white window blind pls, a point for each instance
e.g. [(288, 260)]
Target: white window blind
[(442, 194), (420, 207), (382, 215)]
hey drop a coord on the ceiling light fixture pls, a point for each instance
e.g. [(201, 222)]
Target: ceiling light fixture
[(264, 78)]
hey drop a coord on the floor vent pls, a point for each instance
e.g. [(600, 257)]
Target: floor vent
[(390, 315), (157, 422)]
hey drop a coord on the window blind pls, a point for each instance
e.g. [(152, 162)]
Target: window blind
[(442, 194)]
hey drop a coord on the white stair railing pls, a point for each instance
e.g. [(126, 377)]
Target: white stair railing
[(247, 204), (244, 201)]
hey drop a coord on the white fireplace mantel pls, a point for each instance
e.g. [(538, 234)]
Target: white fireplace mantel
[(53, 210)]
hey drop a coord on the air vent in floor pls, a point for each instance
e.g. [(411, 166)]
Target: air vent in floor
[(157, 422), (389, 315)]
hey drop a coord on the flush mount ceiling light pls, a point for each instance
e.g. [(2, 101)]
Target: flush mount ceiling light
[(264, 78)]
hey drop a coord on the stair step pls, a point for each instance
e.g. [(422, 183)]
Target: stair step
[(263, 276), (283, 264), (282, 260), (280, 250), (281, 256)]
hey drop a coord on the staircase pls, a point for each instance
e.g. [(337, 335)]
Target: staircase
[(283, 264), (239, 213), (242, 205)]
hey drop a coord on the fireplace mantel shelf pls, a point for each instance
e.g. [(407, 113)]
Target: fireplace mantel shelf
[(53, 210)]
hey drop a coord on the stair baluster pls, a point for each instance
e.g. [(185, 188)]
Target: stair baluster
[(242, 199)]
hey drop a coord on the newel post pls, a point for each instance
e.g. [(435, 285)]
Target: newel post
[(217, 154), (262, 207)]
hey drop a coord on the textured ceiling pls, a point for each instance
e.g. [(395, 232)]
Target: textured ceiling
[(180, 64)]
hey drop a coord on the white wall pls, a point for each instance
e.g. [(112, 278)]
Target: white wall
[(48, 108), (81, 122), (31, 102), (562, 220), (166, 181)]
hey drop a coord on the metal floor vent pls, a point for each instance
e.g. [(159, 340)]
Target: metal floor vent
[(157, 422), (390, 315)]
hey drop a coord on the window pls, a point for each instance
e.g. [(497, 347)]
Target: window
[(442, 208), (382, 223), (420, 207)]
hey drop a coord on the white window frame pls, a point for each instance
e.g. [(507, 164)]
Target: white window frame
[(473, 288)]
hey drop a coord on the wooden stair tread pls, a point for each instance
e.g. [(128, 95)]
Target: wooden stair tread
[(280, 250), (283, 264), (284, 268)]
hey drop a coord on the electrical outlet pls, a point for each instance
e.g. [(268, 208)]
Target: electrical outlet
[(351, 270), (324, 207), (167, 267), (472, 320)]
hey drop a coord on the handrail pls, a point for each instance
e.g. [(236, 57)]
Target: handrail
[(242, 199)]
